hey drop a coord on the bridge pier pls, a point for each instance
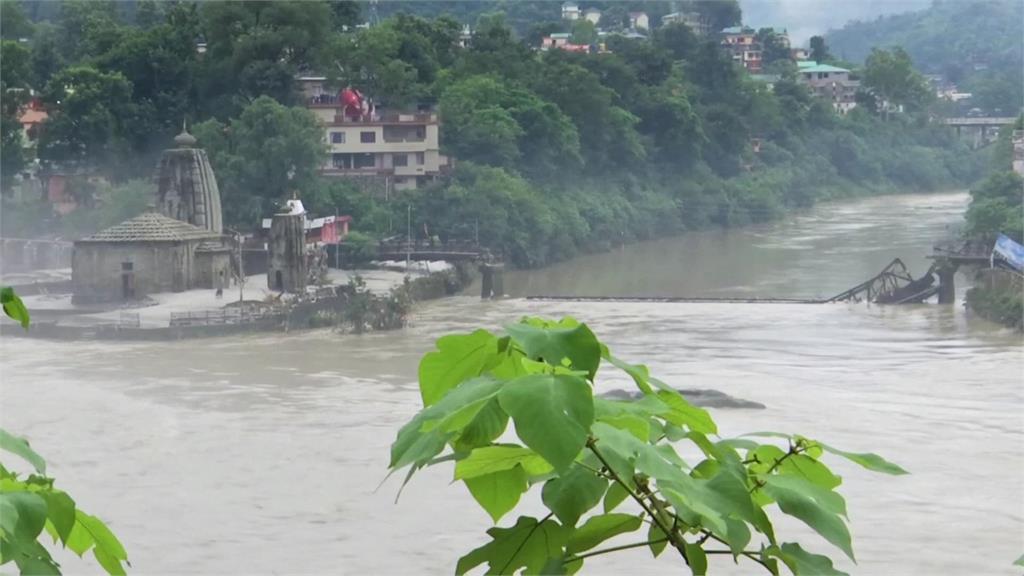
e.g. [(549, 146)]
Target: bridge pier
[(492, 281), (947, 284)]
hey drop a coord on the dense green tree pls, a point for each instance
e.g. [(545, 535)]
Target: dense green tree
[(819, 51), (774, 46), (15, 75), (88, 28), (14, 25), (46, 56), (346, 14), (678, 39), (719, 14), (997, 208), (583, 32), (891, 76), (87, 117), (261, 157)]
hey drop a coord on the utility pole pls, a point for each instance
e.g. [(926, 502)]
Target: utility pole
[(408, 235), (337, 241)]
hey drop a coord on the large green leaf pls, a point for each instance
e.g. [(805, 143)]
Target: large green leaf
[(815, 506), (30, 514), (597, 529), (20, 447), (1020, 561), (498, 492), (552, 414), (553, 343), (573, 493), (107, 548), (638, 372), (870, 461), (501, 457), (636, 425), (615, 495), (529, 544), (685, 414), (803, 563), (60, 509), (427, 433), (810, 469), (657, 540), (487, 425), (14, 308), (458, 357), (697, 558)]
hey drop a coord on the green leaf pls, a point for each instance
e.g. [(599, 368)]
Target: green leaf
[(80, 540), (803, 563), (427, 433), (60, 509), (487, 426), (497, 458), (554, 342), (638, 372), (685, 414), (14, 307), (108, 549), (528, 544), (19, 447), (30, 514), (636, 425), (809, 469), (872, 462), (816, 507), (1020, 561), (498, 492), (697, 558), (572, 494), (597, 529), (459, 357), (657, 539), (552, 414), (615, 495)]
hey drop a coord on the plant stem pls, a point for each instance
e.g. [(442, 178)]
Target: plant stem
[(615, 549), (672, 536)]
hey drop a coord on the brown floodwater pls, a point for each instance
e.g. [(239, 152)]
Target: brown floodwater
[(263, 453)]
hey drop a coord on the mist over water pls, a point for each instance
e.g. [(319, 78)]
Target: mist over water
[(263, 453)]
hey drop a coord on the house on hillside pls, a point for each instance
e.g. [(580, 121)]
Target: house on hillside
[(592, 15), (691, 19), (799, 54), (741, 43), (832, 83), (639, 21), (401, 149), (571, 11)]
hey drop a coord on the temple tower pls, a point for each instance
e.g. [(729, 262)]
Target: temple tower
[(286, 270), (186, 187)]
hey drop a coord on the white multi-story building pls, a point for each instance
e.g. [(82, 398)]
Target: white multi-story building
[(639, 21), (571, 11), (402, 147)]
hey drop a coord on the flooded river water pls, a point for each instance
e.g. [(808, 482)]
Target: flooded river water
[(261, 454)]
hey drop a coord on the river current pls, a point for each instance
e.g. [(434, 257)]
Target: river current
[(263, 453)]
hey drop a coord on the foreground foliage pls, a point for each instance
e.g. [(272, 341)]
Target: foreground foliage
[(708, 496), (32, 504)]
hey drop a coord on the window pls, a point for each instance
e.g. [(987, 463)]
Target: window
[(400, 159), (364, 161), (126, 266), (337, 137), (367, 137), (420, 158)]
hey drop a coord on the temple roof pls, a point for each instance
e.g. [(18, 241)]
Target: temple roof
[(151, 227)]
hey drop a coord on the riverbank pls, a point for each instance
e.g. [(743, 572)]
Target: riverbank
[(382, 297), (998, 295)]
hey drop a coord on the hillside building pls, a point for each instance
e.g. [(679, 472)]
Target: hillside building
[(571, 11), (592, 15), (832, 83), (639, 21), (691, 19), (742, 45), (403, 148)]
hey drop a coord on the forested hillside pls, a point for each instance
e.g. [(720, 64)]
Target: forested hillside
[(976, 44), (555, 152)]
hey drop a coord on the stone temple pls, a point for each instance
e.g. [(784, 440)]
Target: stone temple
[(176, 246), (186, 188)]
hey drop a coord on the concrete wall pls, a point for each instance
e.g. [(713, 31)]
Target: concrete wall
[(156, 267), (19, 255), (209, 267)]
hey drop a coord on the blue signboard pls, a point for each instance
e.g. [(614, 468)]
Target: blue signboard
[(1010, 251)]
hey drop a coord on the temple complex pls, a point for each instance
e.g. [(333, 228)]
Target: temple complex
[(186, 187)]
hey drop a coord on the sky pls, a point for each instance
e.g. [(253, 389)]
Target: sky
[(805, 18)]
